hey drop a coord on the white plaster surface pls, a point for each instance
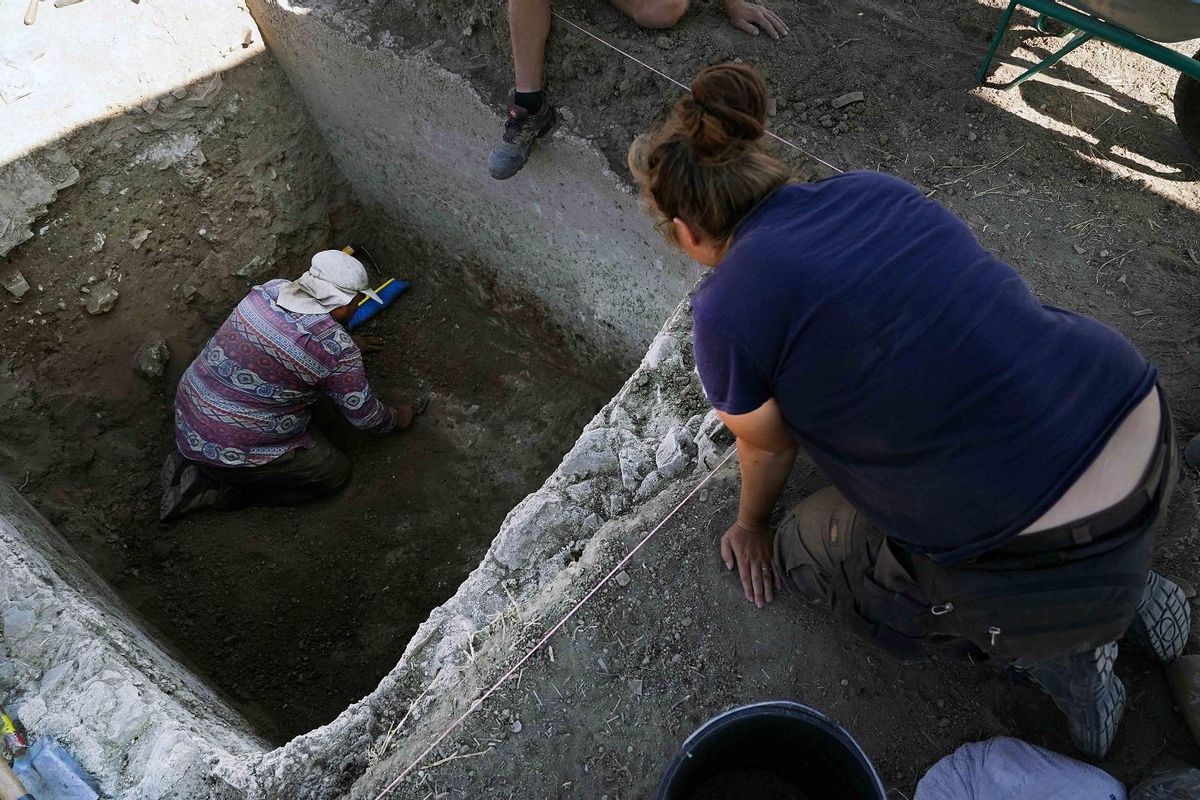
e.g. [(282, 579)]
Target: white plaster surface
[(99, 58)]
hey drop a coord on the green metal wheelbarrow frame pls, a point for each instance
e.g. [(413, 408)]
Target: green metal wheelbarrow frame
[(1085, 27)]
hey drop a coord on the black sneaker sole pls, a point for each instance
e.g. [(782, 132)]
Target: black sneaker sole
[(1162, 624), (172, 468), (177, 500)]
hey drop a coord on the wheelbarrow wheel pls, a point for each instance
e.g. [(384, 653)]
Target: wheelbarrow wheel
[(1187, 108)]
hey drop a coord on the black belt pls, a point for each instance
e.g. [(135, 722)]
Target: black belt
[(1130, 510)]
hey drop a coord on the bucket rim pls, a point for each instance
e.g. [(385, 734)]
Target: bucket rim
[(775, 708)]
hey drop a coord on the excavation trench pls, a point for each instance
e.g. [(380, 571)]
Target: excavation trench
[(173, 661), (296, 613), (210, 639)]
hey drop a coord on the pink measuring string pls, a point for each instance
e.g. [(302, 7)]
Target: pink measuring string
[(665, 76), (628, 556)]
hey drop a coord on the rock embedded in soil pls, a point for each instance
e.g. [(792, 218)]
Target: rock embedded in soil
[(594, 454), (846, 99), (252, 268), (102, 298), (636, 460), (15, 283), (27, 187), (152, 359), (675, 452), (707, 454), (664, 351), (551, 516), (649, 486)]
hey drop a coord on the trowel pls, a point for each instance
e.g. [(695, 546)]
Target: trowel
[(47, 771)]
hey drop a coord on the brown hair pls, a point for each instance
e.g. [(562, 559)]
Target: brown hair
[(706, 164)]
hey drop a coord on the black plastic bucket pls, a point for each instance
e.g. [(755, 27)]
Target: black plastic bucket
[(777, 747)]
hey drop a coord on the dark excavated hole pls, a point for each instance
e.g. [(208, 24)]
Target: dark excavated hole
[(297, 612)]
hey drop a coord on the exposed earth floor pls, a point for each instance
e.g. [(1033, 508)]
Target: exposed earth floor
[(602, 711), (1079, 179)]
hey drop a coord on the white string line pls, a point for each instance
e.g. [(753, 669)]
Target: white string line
[(553, 630), (662, 74)]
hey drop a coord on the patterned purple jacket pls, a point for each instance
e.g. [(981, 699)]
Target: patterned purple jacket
[(245, 400)]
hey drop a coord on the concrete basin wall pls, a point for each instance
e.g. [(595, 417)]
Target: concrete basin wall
[(92, 678)]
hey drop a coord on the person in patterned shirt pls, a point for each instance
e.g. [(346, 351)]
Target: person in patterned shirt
[(243, 407)]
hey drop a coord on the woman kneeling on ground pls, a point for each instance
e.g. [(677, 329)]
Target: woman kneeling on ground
[(997, 465)]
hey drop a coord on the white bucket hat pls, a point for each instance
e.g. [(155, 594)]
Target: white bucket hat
[(331, 282)]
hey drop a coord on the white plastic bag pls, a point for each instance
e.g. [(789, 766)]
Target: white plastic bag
[(1010, 769)]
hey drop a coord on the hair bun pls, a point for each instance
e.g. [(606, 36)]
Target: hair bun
[(727, 107)]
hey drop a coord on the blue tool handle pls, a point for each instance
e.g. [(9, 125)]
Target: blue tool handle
[(369, 308)]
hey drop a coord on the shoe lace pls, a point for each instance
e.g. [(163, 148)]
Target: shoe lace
[(517, 127)]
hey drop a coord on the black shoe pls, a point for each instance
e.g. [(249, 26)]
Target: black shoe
[(193, 491), (172, 468), (520, 131), (1085, 689), (1163, 621)]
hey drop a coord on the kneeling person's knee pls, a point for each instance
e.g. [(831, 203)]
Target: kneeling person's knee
[(336, 471), (659, 13), (320, 470)]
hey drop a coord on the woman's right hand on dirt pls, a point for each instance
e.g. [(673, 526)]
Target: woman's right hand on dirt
[(754, 19), (749, 549)]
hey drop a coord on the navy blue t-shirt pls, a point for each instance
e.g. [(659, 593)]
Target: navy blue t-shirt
[(916, 368)]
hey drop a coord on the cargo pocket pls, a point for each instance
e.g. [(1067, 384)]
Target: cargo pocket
[(888, 607), (892, 590)]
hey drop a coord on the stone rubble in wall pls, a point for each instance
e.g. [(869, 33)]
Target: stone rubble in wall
[(27, 187), (178, 120), (176, 124), (619, 461)]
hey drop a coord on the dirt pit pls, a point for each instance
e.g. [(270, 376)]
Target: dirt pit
[(298, 612), (292, 613)]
